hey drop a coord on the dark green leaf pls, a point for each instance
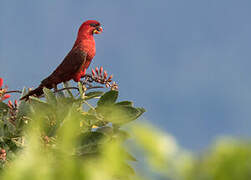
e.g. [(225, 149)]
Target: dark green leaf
[(105, 130), (119, 114), (91, 138), (108, 98), (125, 103), (90, 142)]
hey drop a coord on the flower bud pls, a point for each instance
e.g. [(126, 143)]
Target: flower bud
[(16, 103), (110, 78), (10, 104), (101, 70), (105, 74), (6, 96), (96, 69), (1, 82), (93, 73)]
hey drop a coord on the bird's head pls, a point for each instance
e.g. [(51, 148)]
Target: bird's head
[(90, 27)]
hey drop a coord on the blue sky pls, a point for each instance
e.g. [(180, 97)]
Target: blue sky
[(187, 62)]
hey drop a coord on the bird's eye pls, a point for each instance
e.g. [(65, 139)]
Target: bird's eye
[(94, 25)]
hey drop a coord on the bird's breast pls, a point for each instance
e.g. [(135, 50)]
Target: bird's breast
[(88, 46), (91, 53)]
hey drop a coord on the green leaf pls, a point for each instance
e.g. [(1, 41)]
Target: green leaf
[(125, 103), (93, 94), (23, 109), (80, 88), (60, 94), (142, 110), (128, 155), (38, 104), (89, 143), (127, 168), (129, 113), (3, 106), (50, 96), (90, 119), (108, 98), (91, 138), (105, 130), (121, 134), (119, 114)]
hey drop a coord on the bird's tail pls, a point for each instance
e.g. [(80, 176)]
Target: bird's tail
[(37, 92)]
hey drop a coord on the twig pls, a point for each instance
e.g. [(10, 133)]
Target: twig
[(66, 88), (88, 79), (15, 91)]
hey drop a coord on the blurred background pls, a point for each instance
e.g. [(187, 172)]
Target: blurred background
[(186, 62)]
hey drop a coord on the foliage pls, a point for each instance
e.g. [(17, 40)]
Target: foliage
[(88, 136)]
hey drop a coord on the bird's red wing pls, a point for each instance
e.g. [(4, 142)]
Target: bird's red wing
[(71, 65)]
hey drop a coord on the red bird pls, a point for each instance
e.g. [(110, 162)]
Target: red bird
[(77, 60)]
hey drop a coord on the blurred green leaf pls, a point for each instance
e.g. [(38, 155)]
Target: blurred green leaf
[(50, 96), (3, 106), (60, 94), (90, 119), (121, 134)]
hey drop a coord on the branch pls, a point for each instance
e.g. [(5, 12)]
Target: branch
[(14, 91)]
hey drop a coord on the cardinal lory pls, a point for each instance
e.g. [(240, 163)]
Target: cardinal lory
[(77, 60)]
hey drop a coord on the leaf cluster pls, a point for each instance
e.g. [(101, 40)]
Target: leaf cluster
[(89, 121)]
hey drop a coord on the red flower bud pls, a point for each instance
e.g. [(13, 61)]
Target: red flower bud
[(1, 82), (10, 104), (96, 69), (101, 70), (110, 78), (16, 103), (105, 74), (93, 73), (6, 96)]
